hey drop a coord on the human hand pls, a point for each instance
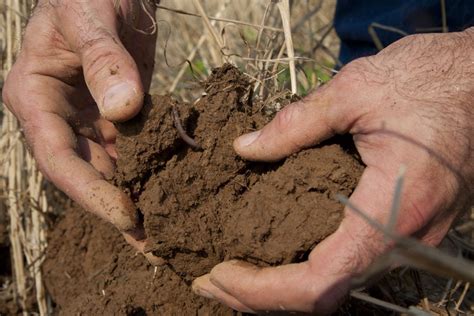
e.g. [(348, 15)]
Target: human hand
[(83, 64), (411, 104)]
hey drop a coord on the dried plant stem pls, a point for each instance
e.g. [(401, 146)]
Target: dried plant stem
[(218, 57), (284, 7), (189, 58), (13, 178), (37, 233), (218, 18), (262, 26), (443, 16), (194, 51), (364, 297), (22, 182)]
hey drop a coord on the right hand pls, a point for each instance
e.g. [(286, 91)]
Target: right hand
[(83, 65), (411, 104)]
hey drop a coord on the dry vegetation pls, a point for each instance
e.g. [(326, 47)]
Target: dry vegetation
[(278, 51)]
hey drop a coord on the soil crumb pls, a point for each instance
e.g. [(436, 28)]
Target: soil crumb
[(199, 207)]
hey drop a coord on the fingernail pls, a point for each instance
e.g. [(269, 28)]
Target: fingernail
[(204, 293), (118, 96), (154, 260), (248, 139), (200, 291)]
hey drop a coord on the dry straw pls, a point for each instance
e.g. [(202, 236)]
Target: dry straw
[(21, 182)]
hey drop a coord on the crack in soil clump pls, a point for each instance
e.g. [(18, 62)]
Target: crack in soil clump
[(204, 206)]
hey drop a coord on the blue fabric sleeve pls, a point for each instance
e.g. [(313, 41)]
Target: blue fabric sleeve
[(353, 18)]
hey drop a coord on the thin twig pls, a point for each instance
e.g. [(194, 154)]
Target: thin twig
[(193, 53), (367, 298), (463, 296), (397, 197), (219, 19), (375, 38), (443, 16), (215, 36), (284, 7)]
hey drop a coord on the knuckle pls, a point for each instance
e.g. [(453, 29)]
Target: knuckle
[(357, 64), (99, 54), (6, 94), (13, 92), (19, 95), (353, 70), (360, 74), (286, 118), (9, 89)]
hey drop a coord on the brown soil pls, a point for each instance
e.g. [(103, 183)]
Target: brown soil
[(91, 270), (200, 207), (204, 206)]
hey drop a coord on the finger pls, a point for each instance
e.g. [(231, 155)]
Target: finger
[(318, 284), (108, 135), (80, 180), (91, 125), (95, 154), (55, 147), (139, 244), (331, 109), (110, 72), (286, 288), (203, 286)]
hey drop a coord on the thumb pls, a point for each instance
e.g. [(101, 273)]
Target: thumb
[(303, 124), (110, 72), (113, 79)]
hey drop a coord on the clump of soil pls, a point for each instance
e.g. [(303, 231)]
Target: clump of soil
[(201, 207)]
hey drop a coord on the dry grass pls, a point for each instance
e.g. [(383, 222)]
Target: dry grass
[(20, 182), (277, 50), (251, 36)]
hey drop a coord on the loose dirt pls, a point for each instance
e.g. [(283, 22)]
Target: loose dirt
[(199, 207), (91, 270)]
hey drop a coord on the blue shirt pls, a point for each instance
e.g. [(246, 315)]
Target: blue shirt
[(353, 18)]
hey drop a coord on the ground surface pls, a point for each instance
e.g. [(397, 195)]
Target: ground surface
[(199, 207), (90, 270)]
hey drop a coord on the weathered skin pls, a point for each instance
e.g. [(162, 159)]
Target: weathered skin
[(411, 104), (77, 72)]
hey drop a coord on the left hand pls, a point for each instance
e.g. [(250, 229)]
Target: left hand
[(408, 105), (84, 64)]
